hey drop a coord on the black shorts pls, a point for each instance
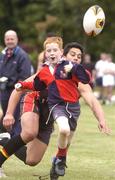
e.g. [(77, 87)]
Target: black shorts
[(31, 103), (99, 82)]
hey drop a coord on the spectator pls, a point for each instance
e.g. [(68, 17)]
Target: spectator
[(14, 66), (88, 65), (108, 80), (99, 67)]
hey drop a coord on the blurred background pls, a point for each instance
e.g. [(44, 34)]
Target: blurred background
[(33, 19)]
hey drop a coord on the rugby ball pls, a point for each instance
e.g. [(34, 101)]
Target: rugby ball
[(94, 20)]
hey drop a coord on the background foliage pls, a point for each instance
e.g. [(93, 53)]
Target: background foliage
[(33, 19)]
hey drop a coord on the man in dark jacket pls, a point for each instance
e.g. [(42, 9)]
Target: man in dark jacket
[(14, 66)]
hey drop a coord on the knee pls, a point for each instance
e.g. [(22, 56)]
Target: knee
[(65, 131), (28, 135), (31, 135), (32, 162)]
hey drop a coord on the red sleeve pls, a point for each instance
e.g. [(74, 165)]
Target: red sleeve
[(27, 85)]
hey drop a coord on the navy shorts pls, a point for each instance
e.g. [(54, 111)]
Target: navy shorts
[(69, 110), (99, 81)]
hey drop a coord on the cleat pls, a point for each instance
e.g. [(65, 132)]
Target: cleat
[(2, 174), (58, 168), (53, 175)]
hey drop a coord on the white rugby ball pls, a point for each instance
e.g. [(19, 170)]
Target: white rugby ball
[(94, 20)]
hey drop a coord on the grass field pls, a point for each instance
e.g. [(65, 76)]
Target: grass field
[(90, 157)]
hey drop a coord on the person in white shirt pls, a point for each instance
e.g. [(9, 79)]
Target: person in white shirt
[(99, 67), (108, 80)]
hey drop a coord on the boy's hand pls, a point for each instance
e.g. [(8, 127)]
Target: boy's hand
[(68, 67), (8, 121)]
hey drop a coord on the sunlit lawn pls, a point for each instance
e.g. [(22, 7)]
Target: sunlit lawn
[(90, 157)]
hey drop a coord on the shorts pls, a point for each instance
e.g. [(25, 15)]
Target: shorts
[(31, 103), (99, 82), (28, 102), (69, 110), (108, 80)]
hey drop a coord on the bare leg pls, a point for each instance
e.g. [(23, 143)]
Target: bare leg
[(35, 155), (30, 126)]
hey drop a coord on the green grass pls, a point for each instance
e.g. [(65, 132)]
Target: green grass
[(91, 155)]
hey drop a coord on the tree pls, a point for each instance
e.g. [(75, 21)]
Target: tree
[(33, 19)]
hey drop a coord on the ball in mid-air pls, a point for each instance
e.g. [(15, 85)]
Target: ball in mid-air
[(94, 20)]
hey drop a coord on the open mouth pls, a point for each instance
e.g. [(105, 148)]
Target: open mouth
[(52, 58)]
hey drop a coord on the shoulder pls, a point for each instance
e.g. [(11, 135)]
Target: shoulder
[(20, 51), (43, 69), (21, 55), (80, 73)]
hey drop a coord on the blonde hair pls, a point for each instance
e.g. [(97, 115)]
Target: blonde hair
[(57, 40)]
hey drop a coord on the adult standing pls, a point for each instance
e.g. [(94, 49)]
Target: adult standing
[(100, 67), (14, 66)]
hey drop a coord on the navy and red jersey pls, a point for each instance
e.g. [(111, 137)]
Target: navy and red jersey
[(61, 87)]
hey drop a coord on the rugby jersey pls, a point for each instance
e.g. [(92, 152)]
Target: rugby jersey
[(61, 87)]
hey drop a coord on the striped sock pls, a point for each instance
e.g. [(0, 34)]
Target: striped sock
[(10, 148)]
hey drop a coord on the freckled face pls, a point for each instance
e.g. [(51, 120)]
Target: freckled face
[(53, 53)]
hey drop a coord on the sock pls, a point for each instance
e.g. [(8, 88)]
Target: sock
[(61, 152), (10, 148), (21, 154)]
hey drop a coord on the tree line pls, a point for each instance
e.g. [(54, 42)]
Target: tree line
[(34, 19)]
